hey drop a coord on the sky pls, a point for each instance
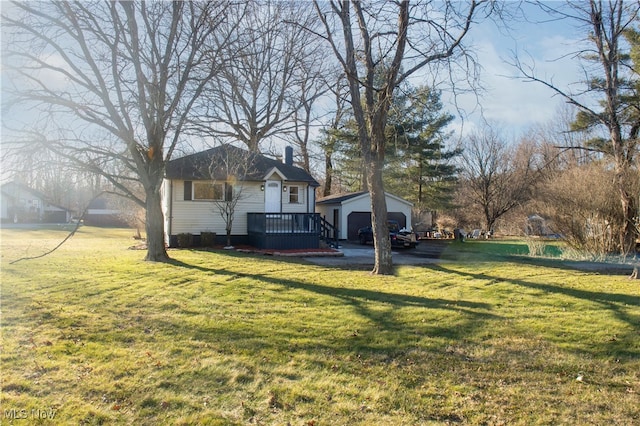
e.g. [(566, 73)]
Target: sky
[(507, 100)]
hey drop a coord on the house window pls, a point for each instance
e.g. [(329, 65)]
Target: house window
[(214, 191), (294, 195)]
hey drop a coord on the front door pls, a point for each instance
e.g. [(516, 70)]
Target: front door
[(272, 196)]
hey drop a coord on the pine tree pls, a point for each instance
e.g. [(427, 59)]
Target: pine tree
[(419, 166)]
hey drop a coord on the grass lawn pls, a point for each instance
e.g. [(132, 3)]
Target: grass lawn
[(91, 334)]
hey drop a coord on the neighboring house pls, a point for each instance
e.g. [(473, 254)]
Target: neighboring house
[(104, 211), (21, 204), (274, 201), (350, 212)]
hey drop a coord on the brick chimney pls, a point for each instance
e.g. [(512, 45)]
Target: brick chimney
[(288, 156)]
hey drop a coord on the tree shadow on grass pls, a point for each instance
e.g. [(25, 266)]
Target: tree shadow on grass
[(625, 307), (381, 309)]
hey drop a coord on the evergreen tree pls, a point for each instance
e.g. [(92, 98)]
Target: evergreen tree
[(419, 166), (347, 162)]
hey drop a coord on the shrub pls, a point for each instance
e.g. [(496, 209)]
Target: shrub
[(579, 204), (536, 247), (207, 239), (185, 240)]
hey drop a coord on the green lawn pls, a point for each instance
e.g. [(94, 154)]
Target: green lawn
[(102, 337)]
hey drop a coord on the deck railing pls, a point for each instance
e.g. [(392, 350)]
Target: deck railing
[(288, 230), (283, 223), (328, 232)]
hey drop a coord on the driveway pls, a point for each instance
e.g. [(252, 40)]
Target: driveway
[(427, 252)]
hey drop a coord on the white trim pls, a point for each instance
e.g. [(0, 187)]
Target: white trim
[(300, 193), (273, 196), (276, 171), (367, 195), (360, 203)]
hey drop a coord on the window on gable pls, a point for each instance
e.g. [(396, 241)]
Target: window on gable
[(294, 195)]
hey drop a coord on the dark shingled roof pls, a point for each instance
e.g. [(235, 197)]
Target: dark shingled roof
[(339, 198), (211, 164)]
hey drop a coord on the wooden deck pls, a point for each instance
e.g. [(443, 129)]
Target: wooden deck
[(288, 230)]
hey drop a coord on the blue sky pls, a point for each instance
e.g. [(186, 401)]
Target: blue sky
[(508, 101)]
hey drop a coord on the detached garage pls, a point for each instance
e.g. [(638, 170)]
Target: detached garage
[(350, 212)]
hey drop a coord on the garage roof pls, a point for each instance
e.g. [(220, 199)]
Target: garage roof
[(341, 198)]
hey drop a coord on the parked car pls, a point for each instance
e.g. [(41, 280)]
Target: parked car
[(399, 237)]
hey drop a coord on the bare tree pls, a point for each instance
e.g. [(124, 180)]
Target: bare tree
[(635, 274), (379, 45), (329, 144), (312, 88), (50, 174), (496, 176), (577, 201), (604, 23), (114, 84), (228, 171), (257, 98)]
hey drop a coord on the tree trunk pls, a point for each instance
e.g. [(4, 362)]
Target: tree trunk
[(156, 250), (328, 171), (628, 232), (627, 237), (253, 144), (488, 219), (383, 258), (304, 151)]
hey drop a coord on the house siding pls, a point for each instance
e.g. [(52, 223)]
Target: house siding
[(185, 215), (361, 203), (196, 216), (25, 205), (302, 206)]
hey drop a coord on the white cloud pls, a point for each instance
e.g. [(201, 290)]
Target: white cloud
[(507, 99)]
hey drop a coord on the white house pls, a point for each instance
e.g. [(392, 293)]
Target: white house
[(352, 211), (21, 204), (274, 201)]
